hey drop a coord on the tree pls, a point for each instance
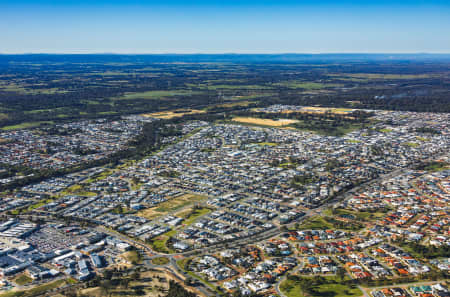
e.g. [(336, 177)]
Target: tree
[(341, 273), (176, 290)]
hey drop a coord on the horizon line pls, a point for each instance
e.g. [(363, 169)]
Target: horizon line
[(229, 53)]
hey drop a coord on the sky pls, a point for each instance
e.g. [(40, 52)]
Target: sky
[(246, 26)]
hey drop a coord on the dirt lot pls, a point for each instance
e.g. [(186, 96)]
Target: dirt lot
[(264, 122), (172, 113), (170, 205)]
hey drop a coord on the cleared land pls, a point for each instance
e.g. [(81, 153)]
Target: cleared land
[(264, 122), (314, 109), (132, 257), (170, 205), (172, 113), (152, 283), (190, 215)]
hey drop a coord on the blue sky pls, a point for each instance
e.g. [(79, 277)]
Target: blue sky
[(265, 26)]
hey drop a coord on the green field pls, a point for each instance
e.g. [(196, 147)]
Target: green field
[(267, 143), (191, 216), (159, 244), (411, 144), (160, 261), (353, 141), (358, 215), (26, 125), (435, 166), (330, 222), (133, 257), (23, 279), (229, 87), (315, 223), (39, 204), (329, 287), (368, 76), (306, 85)]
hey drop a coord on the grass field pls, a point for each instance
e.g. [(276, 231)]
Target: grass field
[(77, 190), (436, 166), (316, 222), (156, 94), (159, 244), (26, 125), (267, 143), (172, 113), (39, 204), (190, 215), (359, 215), (332, 287), (264, 122), (368, 76), (384, 130), (306, 85), (423, 139), (231, 87), (160, 261), (132, 257), (22, 279), (411, 144)]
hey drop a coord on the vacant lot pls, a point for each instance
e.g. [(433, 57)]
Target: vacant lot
[(150, 283), (191, 214), (325, 109), (264, 122), (173, 204), (173, 113), (132, 257)]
